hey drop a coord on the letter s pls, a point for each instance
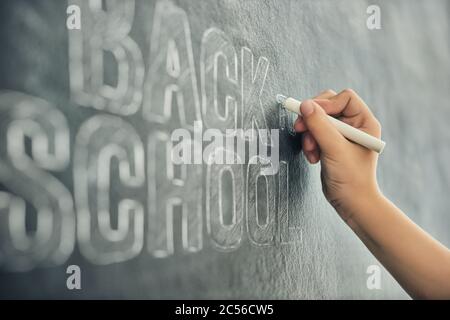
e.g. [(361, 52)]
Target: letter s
[(25, 117)]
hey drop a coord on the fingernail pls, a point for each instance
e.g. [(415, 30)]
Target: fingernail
[(307, 108)]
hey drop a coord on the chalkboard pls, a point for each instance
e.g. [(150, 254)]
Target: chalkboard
[(86, 181)]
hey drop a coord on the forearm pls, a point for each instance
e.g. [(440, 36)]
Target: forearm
[(418, 262)]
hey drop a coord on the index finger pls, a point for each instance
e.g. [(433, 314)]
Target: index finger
[(299, 124), (346, 103), (351, 109)]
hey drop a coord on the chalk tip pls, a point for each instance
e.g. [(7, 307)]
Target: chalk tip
[(281, 98)]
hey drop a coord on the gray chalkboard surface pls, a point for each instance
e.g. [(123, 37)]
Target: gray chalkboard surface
[(87, 116)]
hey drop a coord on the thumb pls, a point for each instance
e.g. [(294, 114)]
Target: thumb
[(318, 124)]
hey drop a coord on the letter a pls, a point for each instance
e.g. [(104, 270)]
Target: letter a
[(374, 20), (374, 280), (74, 17), (74, 280)]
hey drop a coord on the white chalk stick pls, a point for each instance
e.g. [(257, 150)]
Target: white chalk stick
[(351, 133)]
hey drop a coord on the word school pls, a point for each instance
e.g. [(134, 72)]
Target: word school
[(149, 189)]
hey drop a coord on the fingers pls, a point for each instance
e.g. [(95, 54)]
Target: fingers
[(349, 103), (310, 148), (352, 110), (309, 145), (299, 125), (313, 157), (319, 134), (321, 129), (327, 94)]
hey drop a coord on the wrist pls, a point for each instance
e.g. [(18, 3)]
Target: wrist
[(359, 204)]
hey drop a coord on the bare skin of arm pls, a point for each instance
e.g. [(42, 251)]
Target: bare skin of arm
[(417, 261)]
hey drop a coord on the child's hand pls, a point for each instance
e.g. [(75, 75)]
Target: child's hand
[(419, 263), (348, 169)]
